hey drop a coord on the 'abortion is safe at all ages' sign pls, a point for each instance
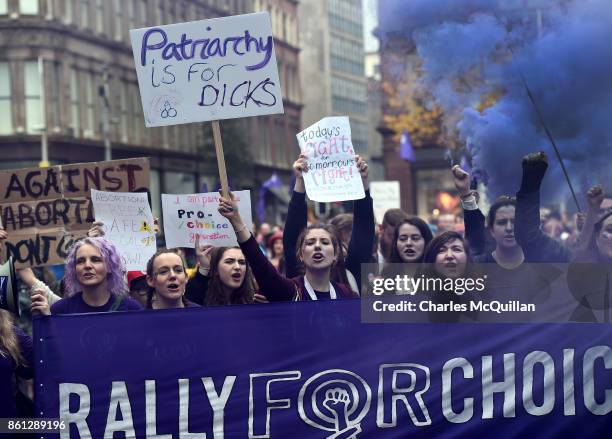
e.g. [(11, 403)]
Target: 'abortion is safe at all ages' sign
[(332, 173), (214, 69), (188, 215), (128, 223)]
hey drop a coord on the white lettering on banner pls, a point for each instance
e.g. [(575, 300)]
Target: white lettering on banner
[(588, 379), (78, 418), (218, 401), (119, 405), (548, 404), (569, 406), (419, 384), (336, 401), (342, 393), (151, 412), (184, 412), (447, 398), (507, 387), (270, 404)]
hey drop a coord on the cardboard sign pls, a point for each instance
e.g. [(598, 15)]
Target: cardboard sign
[(332, 173), (221, 68), (44, 210), (385, 195), (186, 216), (128, 223)]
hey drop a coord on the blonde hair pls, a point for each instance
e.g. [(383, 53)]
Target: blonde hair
[(9, 344)]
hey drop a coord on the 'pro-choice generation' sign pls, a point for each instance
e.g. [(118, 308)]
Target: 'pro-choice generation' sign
[(214, 69)]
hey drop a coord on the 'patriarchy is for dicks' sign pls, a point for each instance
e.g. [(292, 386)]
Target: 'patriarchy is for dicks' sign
[(220, 68), (332, 173), (186, 216)]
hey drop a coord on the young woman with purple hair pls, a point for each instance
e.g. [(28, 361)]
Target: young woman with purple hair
[(94, 280)]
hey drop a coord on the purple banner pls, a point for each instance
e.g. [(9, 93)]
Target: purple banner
[(313, 370)]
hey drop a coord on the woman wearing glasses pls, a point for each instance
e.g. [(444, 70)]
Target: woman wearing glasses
[(94, 279), (167, 279)]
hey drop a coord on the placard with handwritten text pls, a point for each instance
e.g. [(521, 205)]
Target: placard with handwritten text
[(188, 215), (221, 68)]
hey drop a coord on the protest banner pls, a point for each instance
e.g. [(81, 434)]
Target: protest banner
[(128, 223), (332, 172), (45, 209), (188, 215), (385, 195), (262, 378), (214, 69)]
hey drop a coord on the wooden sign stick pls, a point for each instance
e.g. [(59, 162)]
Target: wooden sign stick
[(220, 158)]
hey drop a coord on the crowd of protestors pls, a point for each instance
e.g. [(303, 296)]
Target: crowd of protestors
[(301, 261)]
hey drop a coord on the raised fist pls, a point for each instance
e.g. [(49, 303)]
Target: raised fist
[(595, 197), (462, 180)]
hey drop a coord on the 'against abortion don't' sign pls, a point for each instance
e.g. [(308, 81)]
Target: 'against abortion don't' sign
[(214, 69)]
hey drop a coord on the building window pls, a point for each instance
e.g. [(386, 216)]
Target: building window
[(68, 12), (3, 7), (28, 7), (85, 24), (132, 8), (54, 96), (159, 17), (100, 16), (118, 20), (179, 183), (144, 13), (137, 121), (75, 114), (123, 110), (90, 105), (6, 121), (34, 116)]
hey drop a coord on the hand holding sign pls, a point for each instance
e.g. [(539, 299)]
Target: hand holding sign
[(202, 252), (362, 165), (229, 209)]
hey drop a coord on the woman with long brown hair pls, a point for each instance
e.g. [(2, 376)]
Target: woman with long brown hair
[(318, 249), (223, 277), (15, 361)]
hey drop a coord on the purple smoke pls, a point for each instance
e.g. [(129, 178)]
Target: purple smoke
[(471, 48)]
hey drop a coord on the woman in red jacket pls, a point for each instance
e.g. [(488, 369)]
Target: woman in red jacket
[(317, 249)]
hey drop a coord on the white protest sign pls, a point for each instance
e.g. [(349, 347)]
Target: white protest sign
[(385, 195), (214, 69), (128, 223), (332, 173), (188, 215)]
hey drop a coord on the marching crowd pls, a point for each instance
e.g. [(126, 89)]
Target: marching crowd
[(318, 261)]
